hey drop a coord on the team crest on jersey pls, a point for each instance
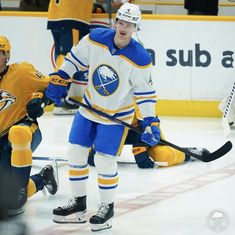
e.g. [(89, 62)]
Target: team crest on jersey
[(6, 100), (105, 80)]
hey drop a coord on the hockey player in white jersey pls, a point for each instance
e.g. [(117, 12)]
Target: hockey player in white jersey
[(119, 75)]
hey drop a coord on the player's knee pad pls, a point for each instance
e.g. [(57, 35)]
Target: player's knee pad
[(105, 164), (20, 135), (77, 154), (166, 156)]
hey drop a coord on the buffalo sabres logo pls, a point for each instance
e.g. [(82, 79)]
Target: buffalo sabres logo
[(105, 80), (6, 100)]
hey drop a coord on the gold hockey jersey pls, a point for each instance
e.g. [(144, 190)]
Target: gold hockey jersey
[(68, 13), (17, 86)]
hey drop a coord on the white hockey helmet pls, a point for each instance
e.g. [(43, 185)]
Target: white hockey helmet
[(130, 13)]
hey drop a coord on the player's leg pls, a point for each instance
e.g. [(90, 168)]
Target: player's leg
[(14, 198), (63, 42), (167, 156), (107, 146), (81, 138), (64, 39), (24, 139)]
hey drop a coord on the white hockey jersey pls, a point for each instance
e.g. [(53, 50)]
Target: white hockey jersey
[(118, 78)]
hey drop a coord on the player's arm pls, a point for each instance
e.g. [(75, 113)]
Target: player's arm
[(75, 60), (58, 86), (145, 96)]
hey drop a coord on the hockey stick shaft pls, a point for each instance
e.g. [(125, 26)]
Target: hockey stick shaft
[(109, 8), (229, 103), (206, 158)]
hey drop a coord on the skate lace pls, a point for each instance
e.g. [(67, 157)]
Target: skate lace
[(49, 186), (103, 210), (72, 203)]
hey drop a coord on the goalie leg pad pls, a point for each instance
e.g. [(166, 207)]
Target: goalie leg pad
[(166, 156)]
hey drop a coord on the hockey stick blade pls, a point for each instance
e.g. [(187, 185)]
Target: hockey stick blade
[(218, 153), (207, 157)]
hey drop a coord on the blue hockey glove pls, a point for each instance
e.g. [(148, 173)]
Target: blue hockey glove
[(36, 104), (81, 76), (151, 135), (58, 87), (141, 157)]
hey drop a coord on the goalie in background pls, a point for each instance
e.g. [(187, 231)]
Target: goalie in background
[(227, 107), (21, 103)]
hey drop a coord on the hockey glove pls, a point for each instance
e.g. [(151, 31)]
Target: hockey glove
[(36, 104), (141, 157), (151, 135), (57, 88)]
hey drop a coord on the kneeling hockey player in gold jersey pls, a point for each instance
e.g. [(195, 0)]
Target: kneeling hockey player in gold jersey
[(21, 103)]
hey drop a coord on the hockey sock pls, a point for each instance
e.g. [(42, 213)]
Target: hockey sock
[(35, 184), (78, 169), (107, 176)]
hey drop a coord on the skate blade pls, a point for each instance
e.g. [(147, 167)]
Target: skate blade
[(61, 111), (15, 212), (76, 218), (100, 227)]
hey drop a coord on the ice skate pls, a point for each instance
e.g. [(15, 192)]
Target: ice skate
[(73, 212), (65, 109), (103, 218), (49, 177)]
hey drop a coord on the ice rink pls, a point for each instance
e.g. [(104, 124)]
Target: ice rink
[(189, 199)]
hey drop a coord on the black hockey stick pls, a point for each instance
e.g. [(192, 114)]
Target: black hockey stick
[(205, 158)]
